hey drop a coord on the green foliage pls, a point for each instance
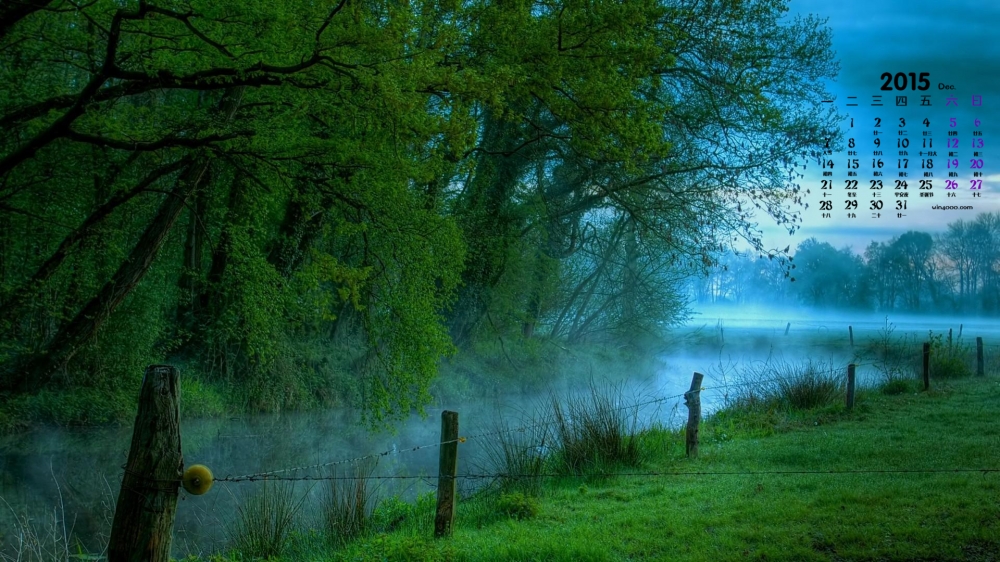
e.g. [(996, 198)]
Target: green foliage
[(406, 548), (949, 359), (896, 386), (391, 513), (313, 204), (518, 506)]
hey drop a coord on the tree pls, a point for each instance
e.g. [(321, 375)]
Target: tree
[(826, 276)]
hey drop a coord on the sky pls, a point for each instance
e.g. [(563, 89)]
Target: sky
[(954, 42)]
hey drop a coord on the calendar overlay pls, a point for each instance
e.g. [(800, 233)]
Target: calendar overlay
[(919, 147)]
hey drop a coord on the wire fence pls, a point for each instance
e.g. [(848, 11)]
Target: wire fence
[(294, 473), (548, 420), (598, 474), (575, 450)]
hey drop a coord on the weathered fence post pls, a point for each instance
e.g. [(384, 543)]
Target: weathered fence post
[(927, 365), (144, 516), (692, 399), (447, 470), (850, 387), (787, 326), (960, 330), (949, 337), (850, 332), (980, 369)]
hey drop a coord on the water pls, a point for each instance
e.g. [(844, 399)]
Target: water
[(84, 465)]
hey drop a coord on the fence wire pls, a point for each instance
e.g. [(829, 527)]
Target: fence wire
[(545, 421), (593, 475), (282, 473)]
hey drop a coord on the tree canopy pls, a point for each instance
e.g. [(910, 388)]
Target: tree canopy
[(310, 200)]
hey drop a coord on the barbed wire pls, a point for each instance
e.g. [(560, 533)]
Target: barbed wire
[(551, 419), (281, 474), (591, 475)]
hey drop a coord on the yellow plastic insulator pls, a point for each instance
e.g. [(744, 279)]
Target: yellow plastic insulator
[(461, 439), (198, 479)]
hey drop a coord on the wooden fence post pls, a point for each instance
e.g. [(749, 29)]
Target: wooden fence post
[(144, 516), (980, 369), (850, 387), (949, 337), (787, 326), (927, 365), (850, 332), (447, 469), (692, 399), (960, 330)]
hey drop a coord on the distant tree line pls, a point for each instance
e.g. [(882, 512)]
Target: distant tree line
[(956, 271), (299, 199)]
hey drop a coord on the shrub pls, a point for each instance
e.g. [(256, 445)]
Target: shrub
[(813, 386), (892, 356), (949, 359), (893, 387), (390, 513), (518, 505)]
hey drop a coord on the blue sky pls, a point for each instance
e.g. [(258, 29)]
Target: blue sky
[(955, 42)]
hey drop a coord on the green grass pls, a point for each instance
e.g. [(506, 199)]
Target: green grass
[(264, 521), (743, 516)]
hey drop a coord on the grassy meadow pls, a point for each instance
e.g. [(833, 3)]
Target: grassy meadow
[(784, 473)]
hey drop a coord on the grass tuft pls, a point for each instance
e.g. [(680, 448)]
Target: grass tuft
[(769, 386), (596, 431), (264, 521), (518, 455), (348, 504)]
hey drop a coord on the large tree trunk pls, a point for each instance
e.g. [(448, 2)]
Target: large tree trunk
[(96, 312), (489, 222), (302, 223), (27, 290), (194, 244)]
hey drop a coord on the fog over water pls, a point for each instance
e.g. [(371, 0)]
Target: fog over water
[(717, 341)]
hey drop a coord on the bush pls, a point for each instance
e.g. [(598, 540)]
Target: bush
[(893, 357), (949, 359), (518, 505), (813, 387), (897, 386), (390, 513)]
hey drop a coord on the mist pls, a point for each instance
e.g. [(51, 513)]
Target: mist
[(78, 469)]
